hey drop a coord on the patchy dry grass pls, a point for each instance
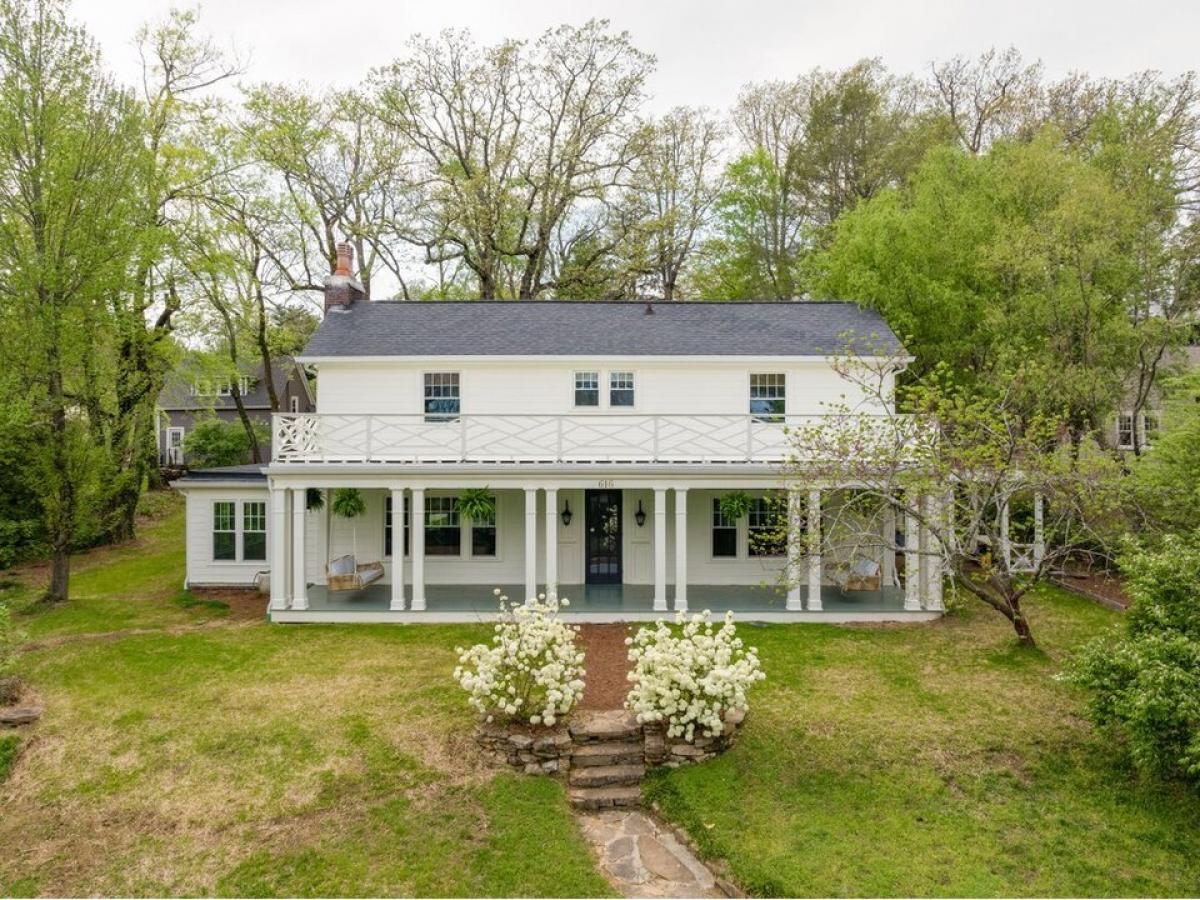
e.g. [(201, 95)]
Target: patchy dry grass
[(189, 754), (940, 760)]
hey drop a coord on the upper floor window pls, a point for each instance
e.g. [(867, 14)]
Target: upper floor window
[(443, 536), (1149, 429), (620, 389), (587, 388), (724, 532), (294, 404), (768, 536), (768, 396), (1125, 430), (1143, 426), (441, 396)]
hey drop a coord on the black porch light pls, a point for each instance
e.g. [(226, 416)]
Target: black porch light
[(640, 515), (566, 513)]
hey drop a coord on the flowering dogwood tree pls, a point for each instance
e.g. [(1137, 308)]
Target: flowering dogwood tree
[(531, 672), (689, 680)]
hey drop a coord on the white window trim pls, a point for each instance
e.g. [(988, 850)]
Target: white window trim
[(1137, 429), (599, 388), (604, 388), (608, 389)]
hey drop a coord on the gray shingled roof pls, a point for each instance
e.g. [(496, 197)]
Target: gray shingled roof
[(583, 328)]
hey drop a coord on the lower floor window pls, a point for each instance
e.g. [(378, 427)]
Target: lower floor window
[(387, 526), (768, 524), (254, 529), (724, 532), (224, 530), (483, 534), (443, 535)]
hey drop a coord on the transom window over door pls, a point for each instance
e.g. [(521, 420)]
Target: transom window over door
[(620, 389), (768, 396), (441, 396), (587, 388)]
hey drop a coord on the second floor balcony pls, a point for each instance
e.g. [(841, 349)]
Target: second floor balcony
[(513, 439)]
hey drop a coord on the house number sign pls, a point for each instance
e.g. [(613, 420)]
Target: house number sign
[(606, 483)]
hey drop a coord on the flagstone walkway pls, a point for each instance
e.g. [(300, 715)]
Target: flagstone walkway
[(642, 859)]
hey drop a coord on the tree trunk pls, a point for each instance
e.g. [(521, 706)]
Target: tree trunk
[(255, 450)]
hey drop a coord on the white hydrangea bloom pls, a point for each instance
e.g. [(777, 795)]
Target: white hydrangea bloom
[(691, 679), (532, 670)]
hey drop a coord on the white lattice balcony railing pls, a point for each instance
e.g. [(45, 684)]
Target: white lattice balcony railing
[(487, 438)]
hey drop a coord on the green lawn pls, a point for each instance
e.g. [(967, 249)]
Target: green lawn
[(250, 759), (933, 761)]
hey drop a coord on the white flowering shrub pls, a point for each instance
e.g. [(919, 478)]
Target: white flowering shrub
[(531, 672), (690, 678)]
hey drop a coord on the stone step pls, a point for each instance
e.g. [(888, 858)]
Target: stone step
[(607, 797), (609, 725), (596, 776), (607, 753)]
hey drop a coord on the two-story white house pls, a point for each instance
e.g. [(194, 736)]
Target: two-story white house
[(606, 434)]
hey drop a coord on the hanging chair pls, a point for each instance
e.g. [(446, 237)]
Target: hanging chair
[(346, 573), (860, 575)]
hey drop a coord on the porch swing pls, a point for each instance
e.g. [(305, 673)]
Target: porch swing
[(346, 573)]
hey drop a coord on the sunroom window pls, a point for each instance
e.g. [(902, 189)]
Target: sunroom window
[(224, 530), (254, 529)]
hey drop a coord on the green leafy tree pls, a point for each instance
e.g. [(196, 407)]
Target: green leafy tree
[(213, 442), (1167, 475), (1145, 686)]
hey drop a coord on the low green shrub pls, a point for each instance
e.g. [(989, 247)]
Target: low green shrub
[(1145, 685)]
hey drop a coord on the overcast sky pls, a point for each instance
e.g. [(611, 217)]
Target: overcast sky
[(706, 49)]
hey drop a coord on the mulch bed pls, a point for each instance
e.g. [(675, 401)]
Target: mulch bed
[(244, 603), (1102, 587), (607, 665)]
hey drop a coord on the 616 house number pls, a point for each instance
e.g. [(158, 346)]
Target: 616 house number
[(606, 483)]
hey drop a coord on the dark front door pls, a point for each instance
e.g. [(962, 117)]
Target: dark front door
[(603, 523)]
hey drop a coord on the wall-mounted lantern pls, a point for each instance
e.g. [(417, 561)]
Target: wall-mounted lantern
[(640, 515), (566, 513)]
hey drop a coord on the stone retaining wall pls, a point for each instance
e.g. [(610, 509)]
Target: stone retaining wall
[(534, 750), (674, 752)]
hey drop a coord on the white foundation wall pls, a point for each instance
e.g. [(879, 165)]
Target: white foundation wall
[(546, 387)]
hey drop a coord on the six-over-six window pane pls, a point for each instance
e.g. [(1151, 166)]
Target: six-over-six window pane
[(224, 530), (254, 529), (443, 536), (768, 396), (587, 388), (620, 389), (441, 396)]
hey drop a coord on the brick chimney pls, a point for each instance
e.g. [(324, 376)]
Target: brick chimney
[(342, 289)]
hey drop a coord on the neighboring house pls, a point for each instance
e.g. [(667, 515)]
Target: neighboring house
[(1129, 431), (187, 396), (606, 433)]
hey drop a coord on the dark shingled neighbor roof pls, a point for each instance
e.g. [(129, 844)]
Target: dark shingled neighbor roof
[(248, 472), (587, 328)]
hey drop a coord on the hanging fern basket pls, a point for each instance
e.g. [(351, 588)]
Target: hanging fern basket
[(477, 504), (734, 505)]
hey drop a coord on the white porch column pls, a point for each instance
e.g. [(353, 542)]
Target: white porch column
[(299, 577), (681, 602), (552, 543), (279, 549), (530, 543), (417, 547), (660, 548), (935, 512), (814, 549), (889, 551), (397, 603), (795, 549), (1039, 533), (912, 561)]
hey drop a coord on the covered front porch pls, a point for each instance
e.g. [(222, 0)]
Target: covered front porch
[(605, 603)]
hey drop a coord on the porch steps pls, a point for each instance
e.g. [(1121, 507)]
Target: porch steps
[(607, 761)]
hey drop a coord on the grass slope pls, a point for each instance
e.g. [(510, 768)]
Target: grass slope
[(932, 761), (258, 760)]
